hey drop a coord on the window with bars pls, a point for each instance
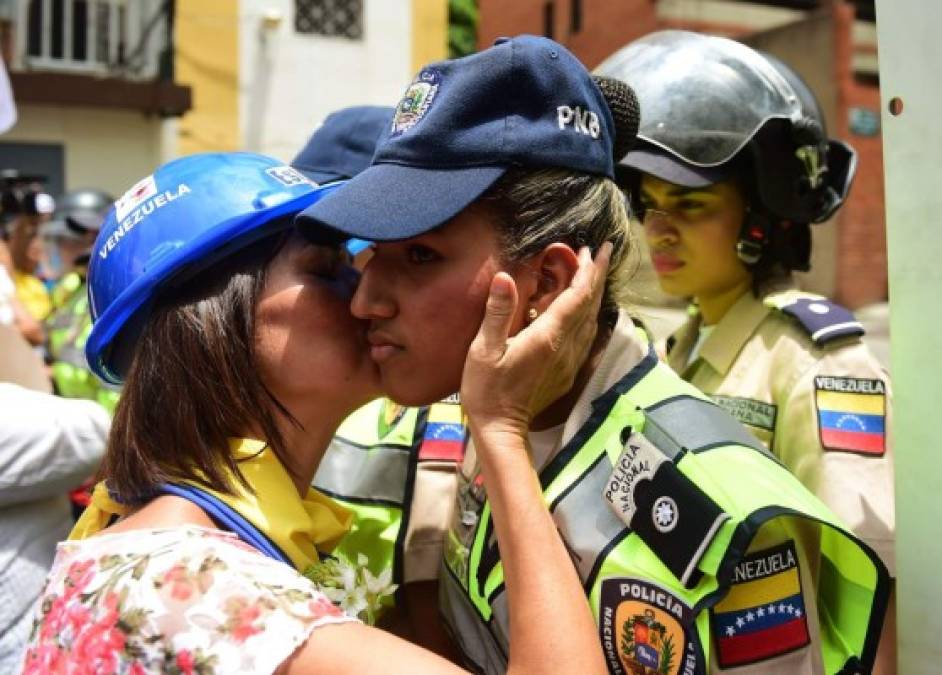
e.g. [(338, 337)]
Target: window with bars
[(337, 18)]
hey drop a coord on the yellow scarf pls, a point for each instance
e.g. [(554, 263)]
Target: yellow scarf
[(299, 527)]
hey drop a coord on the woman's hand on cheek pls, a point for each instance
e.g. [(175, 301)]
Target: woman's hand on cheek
[(508, 380)]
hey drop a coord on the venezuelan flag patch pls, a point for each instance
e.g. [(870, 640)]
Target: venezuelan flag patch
[(763, 615), (444, 435), (851, 414)]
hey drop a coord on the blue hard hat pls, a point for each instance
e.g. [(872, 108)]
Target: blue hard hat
[(187, 215)]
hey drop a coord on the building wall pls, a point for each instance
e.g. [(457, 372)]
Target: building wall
[(429, 32), (206, 59), (104, 148), (289, 81), (606, 26)]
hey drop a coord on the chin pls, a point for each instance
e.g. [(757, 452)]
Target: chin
[(674, 287), (412, 394)]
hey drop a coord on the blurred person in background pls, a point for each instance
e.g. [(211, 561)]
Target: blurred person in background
[(70, 236), (26, 249), (12, 312), (733, 166), (48, 445)]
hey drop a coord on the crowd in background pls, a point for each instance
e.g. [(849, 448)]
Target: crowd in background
[(52, 429)]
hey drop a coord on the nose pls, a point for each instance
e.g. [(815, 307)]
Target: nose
[(659, 227), (374, 297)]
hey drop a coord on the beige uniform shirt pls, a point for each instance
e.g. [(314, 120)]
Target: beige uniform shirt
[(823, 408)]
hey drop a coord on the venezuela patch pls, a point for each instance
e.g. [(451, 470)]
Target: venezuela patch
[(644, 629), (851, 414), (763, 615), (444, 435)]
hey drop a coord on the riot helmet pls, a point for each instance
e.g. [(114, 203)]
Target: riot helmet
[(714, 109), (81, 211)]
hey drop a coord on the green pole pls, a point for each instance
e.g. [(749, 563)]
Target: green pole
[(910, 48)]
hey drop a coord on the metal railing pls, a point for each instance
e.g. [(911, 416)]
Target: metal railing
[(106, 37)]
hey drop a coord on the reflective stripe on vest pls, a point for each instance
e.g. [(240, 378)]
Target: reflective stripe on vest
[(370, 468), (687, 428), (364, 474)]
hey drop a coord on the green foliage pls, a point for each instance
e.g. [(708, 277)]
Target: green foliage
[(462, 27)]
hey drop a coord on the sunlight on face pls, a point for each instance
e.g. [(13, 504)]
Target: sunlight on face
[(424, 299), (692, 235)]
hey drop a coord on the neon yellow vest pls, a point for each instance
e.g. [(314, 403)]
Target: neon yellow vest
[(645, 583), (68, 328), (370, 467)]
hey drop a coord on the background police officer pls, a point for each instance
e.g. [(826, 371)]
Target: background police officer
[(71, 233), (733, 167)]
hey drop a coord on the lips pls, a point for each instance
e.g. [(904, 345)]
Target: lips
[(665, 263), (382, 347)]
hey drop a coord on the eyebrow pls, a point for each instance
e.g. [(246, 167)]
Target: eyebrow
[(680, 191)]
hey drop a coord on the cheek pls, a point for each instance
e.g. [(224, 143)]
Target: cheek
[(439, 319), (300, 330), (714, 250)]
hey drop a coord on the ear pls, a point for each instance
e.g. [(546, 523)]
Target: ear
[(554, 268)]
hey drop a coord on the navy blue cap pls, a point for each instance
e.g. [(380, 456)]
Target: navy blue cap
[(344, 144), (461, 124)]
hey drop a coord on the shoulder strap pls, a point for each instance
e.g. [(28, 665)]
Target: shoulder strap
[(228, 518), (822, 319)]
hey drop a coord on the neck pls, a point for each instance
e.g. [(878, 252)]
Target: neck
[(557, 412), (714, 307), (307, 441)]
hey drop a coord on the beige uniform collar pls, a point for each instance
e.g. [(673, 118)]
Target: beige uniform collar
[(723, 345), (731, 333), (624, 351)]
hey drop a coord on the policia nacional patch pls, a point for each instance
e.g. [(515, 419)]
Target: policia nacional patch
[(851, 414), (763, 615), (645, 630)]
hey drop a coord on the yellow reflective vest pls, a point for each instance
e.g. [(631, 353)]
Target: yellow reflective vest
[(388, 463), (695, 492)]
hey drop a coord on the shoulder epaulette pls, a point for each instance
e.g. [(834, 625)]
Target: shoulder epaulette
[(822, 319)]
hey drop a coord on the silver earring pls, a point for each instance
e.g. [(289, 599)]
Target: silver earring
[(532, 313)]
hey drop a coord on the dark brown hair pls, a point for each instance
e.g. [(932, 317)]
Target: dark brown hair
[(193, 384)]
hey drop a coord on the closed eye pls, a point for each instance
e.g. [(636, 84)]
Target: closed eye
[(421, 255)]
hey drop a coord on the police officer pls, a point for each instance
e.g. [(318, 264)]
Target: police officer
[(733, 167), (72, 231), (697, 550), (395, 467)]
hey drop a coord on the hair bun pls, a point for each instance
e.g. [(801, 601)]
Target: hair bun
[(626, 112)]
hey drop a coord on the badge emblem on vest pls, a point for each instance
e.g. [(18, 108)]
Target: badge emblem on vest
[(664, 513), (645, 630), (416, 101)]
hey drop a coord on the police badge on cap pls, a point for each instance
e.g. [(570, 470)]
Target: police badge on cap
[(416, 101)]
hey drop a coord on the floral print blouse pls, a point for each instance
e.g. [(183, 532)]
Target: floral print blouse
[(182, 600)]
